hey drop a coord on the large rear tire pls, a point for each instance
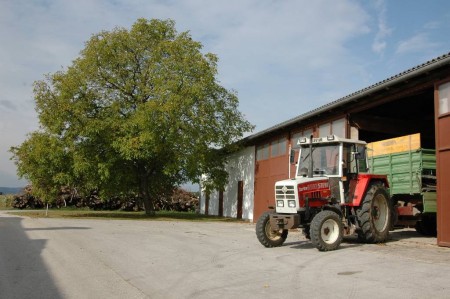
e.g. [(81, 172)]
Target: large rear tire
[(326, 230), (268, 236), (375, 215)]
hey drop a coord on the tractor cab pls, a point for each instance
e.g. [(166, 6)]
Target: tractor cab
[(330, 156), (338, 159)]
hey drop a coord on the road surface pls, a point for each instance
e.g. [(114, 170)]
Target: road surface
[(88, 258)]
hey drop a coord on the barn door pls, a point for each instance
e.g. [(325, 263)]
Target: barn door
[(207, 203), (240, 199), (442, 104), (221, 203)]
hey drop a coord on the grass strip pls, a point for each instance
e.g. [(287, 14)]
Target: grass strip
[(84, 213)]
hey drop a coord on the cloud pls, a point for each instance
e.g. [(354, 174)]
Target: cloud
[(276, 50), (416, 44), (293, 53), (379, 43), (432, 25)]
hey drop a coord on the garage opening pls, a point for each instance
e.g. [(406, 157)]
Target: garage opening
[(405, 115)]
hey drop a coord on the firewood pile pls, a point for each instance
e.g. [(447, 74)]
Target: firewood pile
[(179, 200), (27, 200)]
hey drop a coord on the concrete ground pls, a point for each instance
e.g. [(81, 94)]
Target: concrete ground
[(85, 258)]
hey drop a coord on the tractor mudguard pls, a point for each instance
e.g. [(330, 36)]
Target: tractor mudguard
[(363, 182)]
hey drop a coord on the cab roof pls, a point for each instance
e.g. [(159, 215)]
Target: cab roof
[(328, 139)]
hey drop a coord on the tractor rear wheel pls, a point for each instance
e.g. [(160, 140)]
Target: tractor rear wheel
[(267, 235), (326, 230), (375, 215)]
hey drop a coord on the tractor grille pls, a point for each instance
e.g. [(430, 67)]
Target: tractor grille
[(284, 192), (315, 194)]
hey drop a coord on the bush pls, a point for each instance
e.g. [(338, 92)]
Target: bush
[(6, 201)]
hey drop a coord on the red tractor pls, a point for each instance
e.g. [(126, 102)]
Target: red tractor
[(332, 196)]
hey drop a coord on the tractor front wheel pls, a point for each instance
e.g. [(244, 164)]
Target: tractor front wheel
[(375, 215), (268, 235), (326, 230)]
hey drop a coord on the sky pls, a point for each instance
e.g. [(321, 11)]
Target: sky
[(283, 58)]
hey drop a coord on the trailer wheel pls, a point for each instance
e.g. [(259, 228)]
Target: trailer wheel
[(268, 236), (427, 225), (375, 215), (326, 230)]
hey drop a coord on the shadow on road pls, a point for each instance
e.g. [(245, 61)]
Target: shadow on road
[(353, 241), (401, 234), (57, 228), (23, 273)]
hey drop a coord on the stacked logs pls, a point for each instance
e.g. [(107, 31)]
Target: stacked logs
[(26, 200), (179, 200)]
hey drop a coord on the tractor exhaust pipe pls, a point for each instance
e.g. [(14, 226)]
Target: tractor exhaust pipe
[(310, 168)]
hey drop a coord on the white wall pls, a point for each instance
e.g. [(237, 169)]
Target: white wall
[(240, 167)]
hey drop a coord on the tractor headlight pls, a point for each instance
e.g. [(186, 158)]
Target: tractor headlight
[(280, 203), (291, 203)]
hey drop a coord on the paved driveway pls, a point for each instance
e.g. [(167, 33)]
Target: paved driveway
[(82, 258)]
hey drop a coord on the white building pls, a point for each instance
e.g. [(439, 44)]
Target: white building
[(237, 199)]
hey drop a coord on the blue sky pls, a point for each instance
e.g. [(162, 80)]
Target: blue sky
[(284, 58)]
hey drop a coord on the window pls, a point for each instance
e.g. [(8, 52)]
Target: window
[(444, 98), (297, 136), (324, 129), (278, 147), (262, 152), (274, 149), (336, 127), (325, 160)]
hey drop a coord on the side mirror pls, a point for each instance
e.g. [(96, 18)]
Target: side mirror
[(292, 156), (360, 152)]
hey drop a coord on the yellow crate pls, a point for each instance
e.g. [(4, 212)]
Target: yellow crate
[(395, 145)]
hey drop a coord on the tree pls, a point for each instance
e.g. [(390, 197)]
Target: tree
[(41, 158), (138, 111)]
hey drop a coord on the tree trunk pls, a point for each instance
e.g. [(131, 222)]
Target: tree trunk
[(144, 193), (148, 205)]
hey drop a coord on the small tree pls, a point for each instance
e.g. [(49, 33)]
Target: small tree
[(139, 111)]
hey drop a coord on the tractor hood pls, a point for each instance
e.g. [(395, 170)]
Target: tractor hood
[(290, 195)]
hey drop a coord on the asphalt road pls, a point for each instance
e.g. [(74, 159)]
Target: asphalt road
[(82, 258)]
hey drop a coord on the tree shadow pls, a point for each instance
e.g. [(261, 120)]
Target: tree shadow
[(23, 273), (56, 228)]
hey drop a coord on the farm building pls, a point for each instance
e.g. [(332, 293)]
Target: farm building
[(414, 101)]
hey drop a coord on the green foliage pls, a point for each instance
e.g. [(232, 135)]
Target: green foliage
[(6, 202), (43, 159), (139, 111)]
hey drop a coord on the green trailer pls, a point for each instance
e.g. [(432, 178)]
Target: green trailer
[(412, 184)]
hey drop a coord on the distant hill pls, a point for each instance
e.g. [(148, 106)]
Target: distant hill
[(10, 190)]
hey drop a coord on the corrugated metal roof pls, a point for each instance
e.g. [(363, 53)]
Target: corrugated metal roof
[(415, 71)]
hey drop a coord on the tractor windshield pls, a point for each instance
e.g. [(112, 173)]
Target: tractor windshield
[(325, 159)]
